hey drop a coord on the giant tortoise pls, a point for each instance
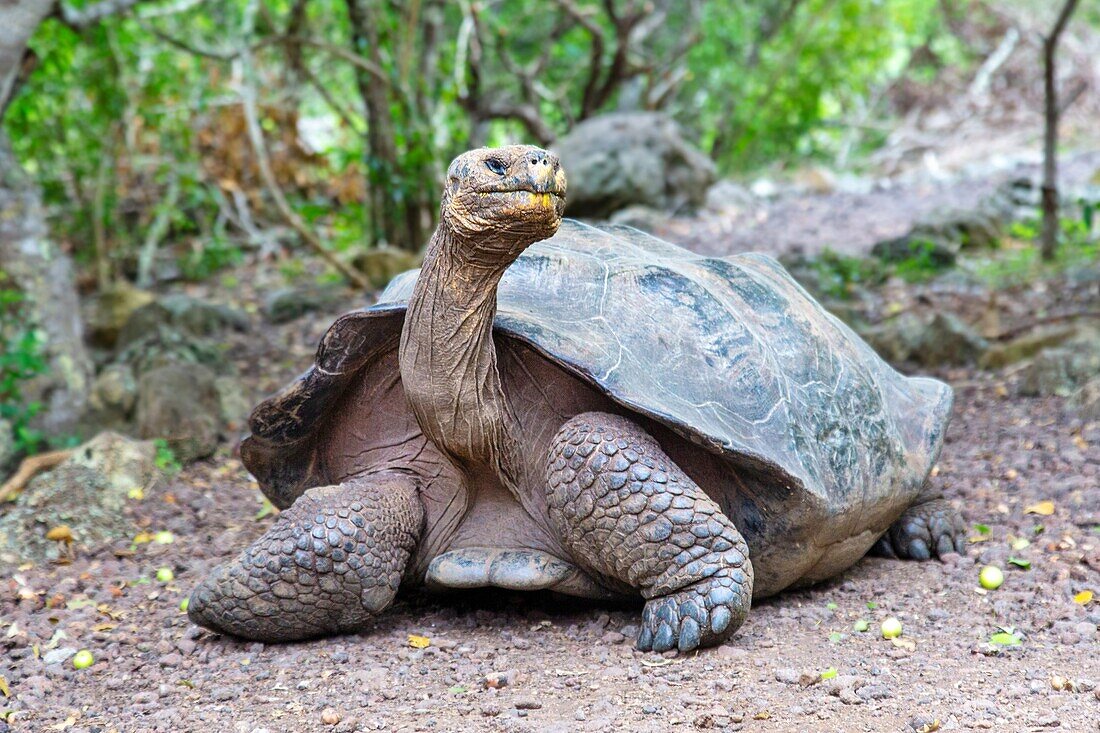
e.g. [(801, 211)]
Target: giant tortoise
[(585, 409)]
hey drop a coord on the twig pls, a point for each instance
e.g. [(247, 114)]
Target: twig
[(259, 148), (996, 60), (156, 233), (28, 469), (1061, 317)]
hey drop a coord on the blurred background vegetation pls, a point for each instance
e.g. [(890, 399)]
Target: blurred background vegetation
[(135, 127)]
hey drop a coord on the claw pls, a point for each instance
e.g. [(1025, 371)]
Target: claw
[(664, 639), (689, 635), (720, 619)]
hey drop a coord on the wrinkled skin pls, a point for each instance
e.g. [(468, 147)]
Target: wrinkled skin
[(463, 478)]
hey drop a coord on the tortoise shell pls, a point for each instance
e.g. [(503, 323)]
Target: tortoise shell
[(729, 353)]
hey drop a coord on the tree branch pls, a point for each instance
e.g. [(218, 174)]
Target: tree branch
[(94, 13), (263, 162)]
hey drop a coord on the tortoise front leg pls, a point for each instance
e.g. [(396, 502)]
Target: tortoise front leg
[(627, 512), (330, 562)]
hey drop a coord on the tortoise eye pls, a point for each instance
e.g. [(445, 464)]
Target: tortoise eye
[(496, 165)]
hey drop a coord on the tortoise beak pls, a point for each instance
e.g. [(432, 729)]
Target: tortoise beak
[(544, 172)]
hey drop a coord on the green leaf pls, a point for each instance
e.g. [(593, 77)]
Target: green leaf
[(871, 605), (1020, 562), (982, 528), (829, 673), (831, 606), (1005, 638), (836, 637)]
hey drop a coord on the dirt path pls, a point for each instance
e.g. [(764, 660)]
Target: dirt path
[(851, 222)]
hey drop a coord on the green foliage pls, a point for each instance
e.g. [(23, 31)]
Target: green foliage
[(1019, 260), (763, 90), (21, 359), (165, 459), (922, 263), (839, 276), (204, 258)]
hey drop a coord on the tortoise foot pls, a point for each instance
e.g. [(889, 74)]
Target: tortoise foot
[(329, 564), (932, 528), (628, 513), (703, 614)]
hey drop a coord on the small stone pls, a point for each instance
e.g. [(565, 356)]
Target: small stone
[(497, 680), (223, 694), (490, 709), (331, 716), (527, 703), (57, 656), (787, 676)]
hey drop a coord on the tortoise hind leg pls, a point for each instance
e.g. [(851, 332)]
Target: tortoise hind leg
[(932, 527), (329, 564), (628, 513)]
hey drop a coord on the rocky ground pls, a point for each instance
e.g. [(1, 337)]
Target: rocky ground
[(1024, 470)]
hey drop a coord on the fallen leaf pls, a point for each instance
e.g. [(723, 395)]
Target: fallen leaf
[(419, 642), (904, 643), (1043, 508), (104, 627), (1058, 682), (1019, 543), (762, 715), (4, 689), (60, 533), (1083, 598), (829, 673), (929, 727), (1020, 562)]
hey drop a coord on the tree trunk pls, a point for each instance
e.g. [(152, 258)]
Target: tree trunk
[(1051, 225), (393, 210), (31, 261)]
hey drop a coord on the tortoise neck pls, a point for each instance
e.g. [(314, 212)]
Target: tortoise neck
[(448, 358)]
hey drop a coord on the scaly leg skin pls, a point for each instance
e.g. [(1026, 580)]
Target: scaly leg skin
[(932, 527), (627, 512), (331, 562)]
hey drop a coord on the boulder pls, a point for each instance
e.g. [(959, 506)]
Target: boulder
[(1086, 401), (1062, 370), (625, 158), (897, 339), (382, 264), (947, 340), (110, 309), (1025, 346), (89, 493), (183, 313), (288, 304), (942, 340), (640, 217), (180, 404), (165, 346), (111, 402)]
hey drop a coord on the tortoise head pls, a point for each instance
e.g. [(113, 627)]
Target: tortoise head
[(501, 200)]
